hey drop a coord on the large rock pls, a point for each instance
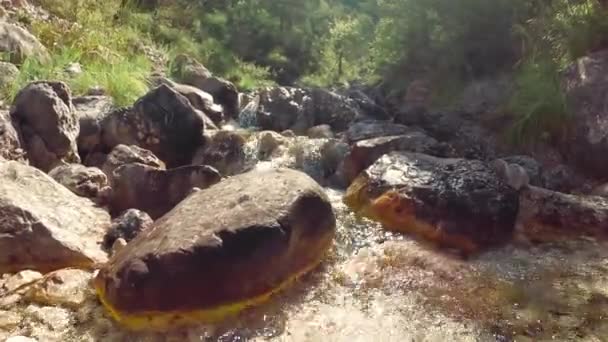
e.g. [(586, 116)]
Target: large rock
[(223, 92), (282, 108), (220, 250), (19, 43), (364, 153), (225, 151), (45, 116), (139, 186), (91, 111), (123, 154), (163, 121), (44, 226), (455, 203), (548, 216), (586, 89), (81, 180), (10, 145)]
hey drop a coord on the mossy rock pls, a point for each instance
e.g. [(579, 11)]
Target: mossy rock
[(221, 250)]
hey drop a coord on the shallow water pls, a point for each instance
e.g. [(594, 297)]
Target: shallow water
[(379, 286)]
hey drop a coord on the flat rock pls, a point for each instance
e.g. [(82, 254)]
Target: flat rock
[(220, 250), (44, 115), (163, 122), (455, 203), (81, 180), (43, 225), (154, 191), (68, 287)]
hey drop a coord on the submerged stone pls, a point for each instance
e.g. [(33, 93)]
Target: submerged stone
[(219, 251), (456, 203)]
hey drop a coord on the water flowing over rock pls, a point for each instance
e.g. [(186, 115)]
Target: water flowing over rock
[(223, 92), (139, 186), (19, 43), (224, 151), (548, 216), (163, 121), (81, 180), (455, 203), (91, 111), (585, 85), (252, 241), (45, 117), (10, 145), (43, 225)]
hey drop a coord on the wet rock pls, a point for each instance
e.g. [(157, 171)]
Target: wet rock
[(533, 168), (585, 87), (251, 242), (10, 145), (20, 44), (547, 215), (320, 132), (44, 226), (139, 186), (364, 153), (373, 129), (268, 142), (224, 151), (454, 203), (333, 153), (123, 154), (468, 138), (81, 180), (8, 74), (223, 92), (45, 117), (561, 178), (91, 111), (126, 226), (163, 121), (67, 288)]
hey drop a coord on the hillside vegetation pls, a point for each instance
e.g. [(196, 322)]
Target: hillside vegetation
[(325, 43)]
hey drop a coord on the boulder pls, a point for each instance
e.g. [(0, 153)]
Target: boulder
[(533, 168), (585, 87), (469, 139), (282, 108), (320, 132), (162, 121), (20, 43), (91, 111), (455, 203), (139, 186), (123, 154), (219, 251), (223, 92), (198, 99), (81, 180), (268, 142), (373, 129), (126, 226), (189, 71), (10, 145), (364, 153), (225, 151), (45, 117), (549, 216), (8, 74), (368, 106), (44, 226)]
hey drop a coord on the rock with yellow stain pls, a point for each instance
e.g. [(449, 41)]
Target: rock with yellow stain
[(455, 203), (219, 251)]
